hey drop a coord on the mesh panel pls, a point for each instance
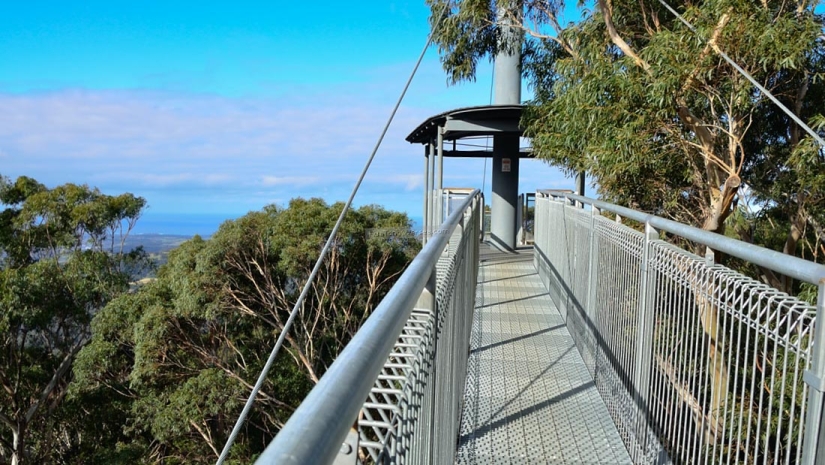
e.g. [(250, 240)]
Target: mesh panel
[(412, 413)]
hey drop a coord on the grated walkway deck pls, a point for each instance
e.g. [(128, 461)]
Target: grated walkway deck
[(528, 397)]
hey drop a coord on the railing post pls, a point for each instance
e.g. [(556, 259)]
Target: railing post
[(813, 443), (424, 425), (644, 339), (592, 278)]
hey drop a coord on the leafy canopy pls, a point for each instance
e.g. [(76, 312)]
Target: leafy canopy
[(61, 260), (185, 350)]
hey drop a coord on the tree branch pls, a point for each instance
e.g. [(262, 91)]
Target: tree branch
[(618, 40), (703, 422), (61, 371), (206, 438)]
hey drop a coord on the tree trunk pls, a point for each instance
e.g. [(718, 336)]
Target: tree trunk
[(708, 316), (791, 241), (703, 291)]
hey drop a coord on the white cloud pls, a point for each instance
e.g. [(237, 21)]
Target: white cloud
[(134, 139), (290, 180), (409, 181), (208, 152), (201, 178)]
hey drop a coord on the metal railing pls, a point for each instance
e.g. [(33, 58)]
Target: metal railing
[(394, 393), (696, 363)]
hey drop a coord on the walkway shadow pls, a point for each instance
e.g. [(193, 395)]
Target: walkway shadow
[(481, 430), (498, 261), (513, 300), (508, 278), (516, 339), (487, 428)]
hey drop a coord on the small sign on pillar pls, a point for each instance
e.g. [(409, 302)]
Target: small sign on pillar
[(505, 165)]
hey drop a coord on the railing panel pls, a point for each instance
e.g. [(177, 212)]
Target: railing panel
[(419, 424), (615, 310), (697, 363), (730, 353)]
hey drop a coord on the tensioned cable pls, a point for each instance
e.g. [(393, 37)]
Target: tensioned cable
[(748, 77), (236, 429)]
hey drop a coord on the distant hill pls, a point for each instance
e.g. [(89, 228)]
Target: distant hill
[(156, 245)]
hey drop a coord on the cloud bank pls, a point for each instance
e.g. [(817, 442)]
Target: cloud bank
[(214, 154), (136, 141)]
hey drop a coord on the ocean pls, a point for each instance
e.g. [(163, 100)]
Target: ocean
[(180, 224), (189, 224)]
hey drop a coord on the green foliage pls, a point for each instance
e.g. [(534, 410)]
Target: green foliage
[(184, 350), (58, 266), (466, 34), (659, 121)]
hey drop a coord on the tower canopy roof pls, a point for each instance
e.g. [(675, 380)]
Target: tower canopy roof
[(470, 121)]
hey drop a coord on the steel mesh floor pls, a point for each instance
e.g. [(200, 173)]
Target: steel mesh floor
[(528, 397)]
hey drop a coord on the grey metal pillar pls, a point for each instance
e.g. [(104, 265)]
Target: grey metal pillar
[(580, 183), (580, 187), (506, 147), (505, 191), (425, 219), (440, 184), (431, 222), (507, 86)]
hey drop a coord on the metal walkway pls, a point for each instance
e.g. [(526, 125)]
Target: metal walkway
[(641, 310), (529, 397)]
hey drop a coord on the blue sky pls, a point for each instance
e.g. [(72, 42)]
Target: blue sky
[(221, 108)]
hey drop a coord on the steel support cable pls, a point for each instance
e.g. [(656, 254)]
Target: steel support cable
[(748, 77), (251, 400)]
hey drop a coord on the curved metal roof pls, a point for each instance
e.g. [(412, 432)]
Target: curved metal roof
[(480, 120)]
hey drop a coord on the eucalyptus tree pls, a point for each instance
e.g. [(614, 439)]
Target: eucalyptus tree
[(661, 122), (186, 349), (61, 260)]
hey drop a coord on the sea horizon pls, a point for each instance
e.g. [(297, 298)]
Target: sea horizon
[(203, 224)]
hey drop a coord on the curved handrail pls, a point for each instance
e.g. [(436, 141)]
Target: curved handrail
[(315, 431)]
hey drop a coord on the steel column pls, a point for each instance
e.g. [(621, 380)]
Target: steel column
[(432, 187), (425, 218), (440, 185), (505, 191), (580, 187), (507, 86)]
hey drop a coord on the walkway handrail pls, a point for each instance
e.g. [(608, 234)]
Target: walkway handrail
[(317, 429), (788, 265)]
